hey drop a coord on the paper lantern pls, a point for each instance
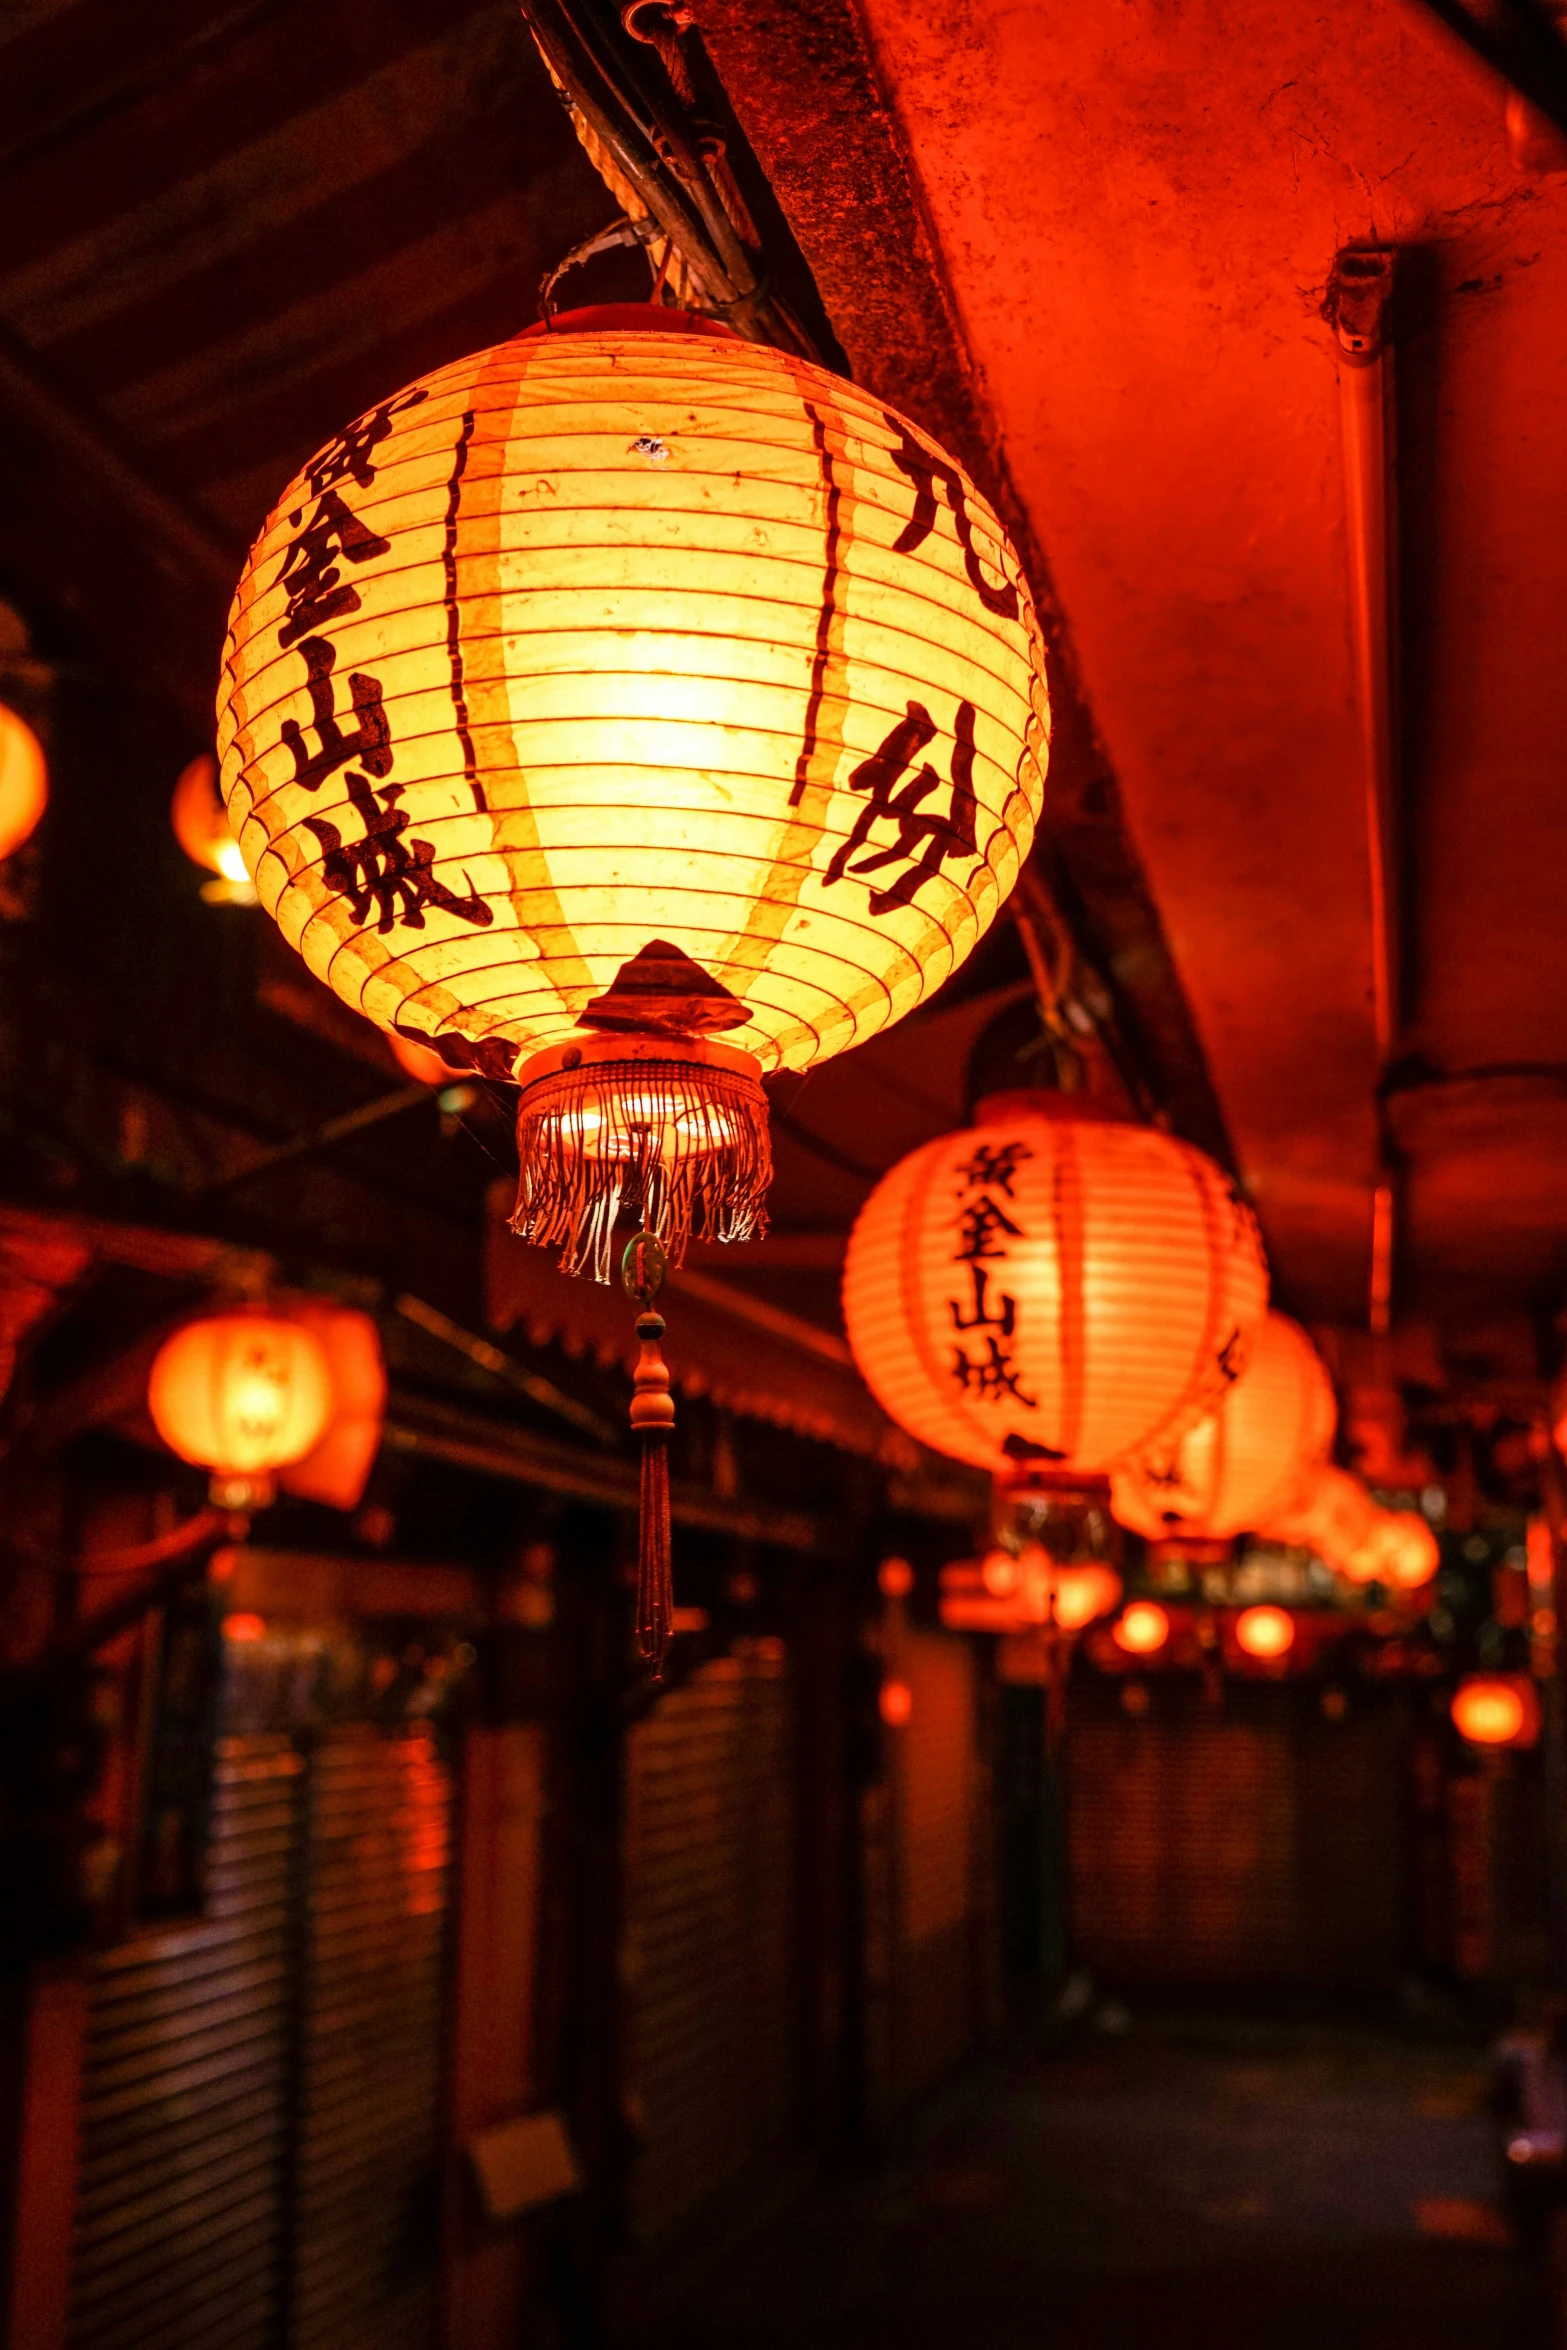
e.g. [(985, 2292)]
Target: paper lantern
[(633, 709), (1265, 1632), (201, 827), (1082, 1593), (1247, 1462), (24, 780), (1047, 1293), (1334, 1518), (337, 1467), (240, 1394), (1142, 1628), (1399, 1549), (1497, 1709)]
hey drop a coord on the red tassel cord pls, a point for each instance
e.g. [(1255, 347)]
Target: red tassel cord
[(652, 1418)]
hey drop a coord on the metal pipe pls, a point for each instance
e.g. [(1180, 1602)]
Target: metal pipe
[(1360, 293)]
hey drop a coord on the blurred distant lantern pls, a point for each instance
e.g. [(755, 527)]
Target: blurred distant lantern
[(1334, 1517), (1007, 1592), (202, 829), (1082, 1593), (336, 1468), (1142, 1628), (896, 1704), (1399, 1550), (1249, 1461), (1050, 1292), (1497, 1709), (1265, 1632), (24, 780), (618, 690), (635, 710), (241, 1394), (895, 1578)]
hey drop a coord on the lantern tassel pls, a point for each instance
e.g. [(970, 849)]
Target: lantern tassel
[(642, 1271), (681, 1143), (652, 1418)]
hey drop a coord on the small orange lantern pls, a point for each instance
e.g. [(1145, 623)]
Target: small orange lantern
[(1049, 1292), (1497, 1709), (201, 827), (24, 780), (1082, 1593), (241, 1394), (337, 1467), (1249, 1461), (1143, 1627), (1400, 1550), (1265, 1632)]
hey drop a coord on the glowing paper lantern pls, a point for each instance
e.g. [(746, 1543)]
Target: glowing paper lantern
[(24, 780), (241, 1394), (1399, 1550), (1335, 1517), (636, 709), (1142, 1628), (1265, 1632), (1497, 1709), (896, 1704), (1249, 1461), (202, 829), (1082, 1593), (1048, 1293), (337, 1467)]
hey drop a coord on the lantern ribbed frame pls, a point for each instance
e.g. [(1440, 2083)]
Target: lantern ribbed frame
[(1248, 1462), (622, 627), (1135, 1276), (241, 1394)]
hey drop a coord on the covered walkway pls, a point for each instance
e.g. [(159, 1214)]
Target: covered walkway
[(1194, 2182)]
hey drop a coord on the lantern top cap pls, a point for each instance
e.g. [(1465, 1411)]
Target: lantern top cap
[(629, 318), (1043, 1101)]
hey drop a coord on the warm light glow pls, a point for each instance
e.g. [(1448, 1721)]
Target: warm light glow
[(1052, 1287), (633, 631), (1490, 1712), (895, 1578), (420, 1061), (200, 825), (1265, 1631), (244, 1627), (896, 1703), (998, 1573), (1334, 1519), (240, 1394), (1246, 1463), (24, 780), (1143, 1627), (1081, 1593), (1399, 1550)]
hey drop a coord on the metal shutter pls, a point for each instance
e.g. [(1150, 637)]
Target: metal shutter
[(936, 1762), (364, 2259), (1212, 1849), (709, 1937), (183, 2124)]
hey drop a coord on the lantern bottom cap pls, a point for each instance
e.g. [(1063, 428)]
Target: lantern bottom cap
[(671, 1130)]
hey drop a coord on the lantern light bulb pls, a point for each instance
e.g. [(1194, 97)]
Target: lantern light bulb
[(1142, 1628), (24, 780), (1489, 1712), (1265, 1632)]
